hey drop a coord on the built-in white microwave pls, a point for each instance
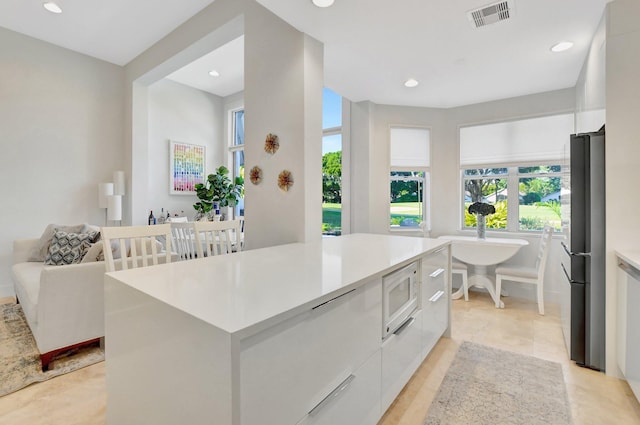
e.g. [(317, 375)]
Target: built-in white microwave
[(399, 298)]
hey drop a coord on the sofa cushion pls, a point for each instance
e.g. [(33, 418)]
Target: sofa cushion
[(28, 289), (96, 252), (41, 249), (69, 247)]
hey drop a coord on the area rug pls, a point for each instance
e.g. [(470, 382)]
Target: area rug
[(489, 386), (20, 359)]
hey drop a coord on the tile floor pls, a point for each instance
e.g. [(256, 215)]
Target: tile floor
[(80, 398)]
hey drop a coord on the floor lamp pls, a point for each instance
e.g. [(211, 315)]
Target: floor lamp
[(105, 190), (110, 197)]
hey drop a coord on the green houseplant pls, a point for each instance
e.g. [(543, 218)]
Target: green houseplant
[(218, 189)]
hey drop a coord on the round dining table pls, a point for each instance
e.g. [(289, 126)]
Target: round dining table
[(480, 254)]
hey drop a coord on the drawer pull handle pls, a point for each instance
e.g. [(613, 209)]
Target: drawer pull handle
[(333, 299), (404, 326), (435, 297), (333, 394), (437, 273)]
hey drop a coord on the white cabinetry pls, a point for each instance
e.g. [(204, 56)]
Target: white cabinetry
[(435, 301), (285, 335), (628, 327), (400, 357), (356, 401), (289, 369), (404, 350)]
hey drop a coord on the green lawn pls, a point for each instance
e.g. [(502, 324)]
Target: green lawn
[(331, 218)]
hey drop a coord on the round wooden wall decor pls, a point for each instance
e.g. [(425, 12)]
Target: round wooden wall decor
[(255, 175), (271, 144), (285, 180)]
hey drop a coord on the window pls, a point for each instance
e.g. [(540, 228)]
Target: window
[(409, 178), (236, 151), (331, 163), (516, 167)]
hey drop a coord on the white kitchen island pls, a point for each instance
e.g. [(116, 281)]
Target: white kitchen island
[(290, 334)]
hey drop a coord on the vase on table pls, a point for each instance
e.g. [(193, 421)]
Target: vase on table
[(481, 225)]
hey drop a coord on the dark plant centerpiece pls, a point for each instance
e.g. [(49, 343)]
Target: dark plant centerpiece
[(481, 211), (216, 192)]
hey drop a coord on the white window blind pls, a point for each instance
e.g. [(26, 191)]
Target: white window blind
[(410, 147), (535, 139)]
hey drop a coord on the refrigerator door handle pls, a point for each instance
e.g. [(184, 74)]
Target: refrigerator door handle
[(574, 254), (571, 281)]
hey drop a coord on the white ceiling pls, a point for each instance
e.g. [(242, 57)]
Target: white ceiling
[(371, 46)]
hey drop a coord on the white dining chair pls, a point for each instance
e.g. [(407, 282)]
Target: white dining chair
[(533, 275), (460, 268), (241, 219), (138, 246), (184, 239), (217, 237)]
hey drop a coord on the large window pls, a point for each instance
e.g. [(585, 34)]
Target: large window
[(236, 151), (331, 163), (515, 166), (409, 178), (535, 190)]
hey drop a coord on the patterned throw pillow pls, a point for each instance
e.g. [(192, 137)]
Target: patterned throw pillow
[(68, 247)]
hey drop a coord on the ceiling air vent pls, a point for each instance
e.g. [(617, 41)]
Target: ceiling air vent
[(491, 13)]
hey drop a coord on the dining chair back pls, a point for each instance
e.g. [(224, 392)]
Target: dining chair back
[(138, 245), (533, 275), (217, 237), (184, 239), (241, 219)]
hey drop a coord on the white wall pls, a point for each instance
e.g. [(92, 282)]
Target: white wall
[(187, 115), (61, 127), (283, 96), (622, 148), (591, 85)]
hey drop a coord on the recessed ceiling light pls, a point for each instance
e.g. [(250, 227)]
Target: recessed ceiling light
[(214, 73), (52, 7), (562, 46), (411, 82), (323, 3)]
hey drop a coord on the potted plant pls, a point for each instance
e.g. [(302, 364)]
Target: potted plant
[(481, 210), (218, 190)]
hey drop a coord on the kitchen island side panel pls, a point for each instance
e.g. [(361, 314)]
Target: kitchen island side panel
[(156, 353)]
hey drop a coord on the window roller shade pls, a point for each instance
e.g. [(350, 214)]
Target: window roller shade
[(535, 139), (409, 147)]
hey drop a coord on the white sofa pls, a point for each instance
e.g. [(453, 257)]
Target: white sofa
[(63, 305)]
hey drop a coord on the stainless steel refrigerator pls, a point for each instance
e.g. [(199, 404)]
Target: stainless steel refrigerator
[(583, 260)]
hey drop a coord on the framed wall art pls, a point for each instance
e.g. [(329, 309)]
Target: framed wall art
[(186, 167)]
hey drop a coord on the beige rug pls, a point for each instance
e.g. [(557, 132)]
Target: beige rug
[(20, 359), (489, 386)]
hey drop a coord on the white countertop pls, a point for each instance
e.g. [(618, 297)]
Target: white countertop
[(244, 291), (632, 257)]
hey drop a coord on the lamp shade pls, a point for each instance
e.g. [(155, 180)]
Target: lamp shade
[(114, 207), (118, 182), (104, 190)]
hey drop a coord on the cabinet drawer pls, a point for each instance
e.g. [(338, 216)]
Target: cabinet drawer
[(356, 401), (287, 370), (401, 356), (435, 298), (435, 316), (434, 273)]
